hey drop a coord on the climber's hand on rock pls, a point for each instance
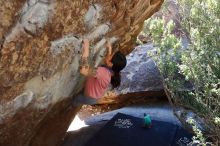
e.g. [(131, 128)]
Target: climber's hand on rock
[(84, 70)]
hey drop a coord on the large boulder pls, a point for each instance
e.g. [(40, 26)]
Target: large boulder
[(40, 47), (141, 73)]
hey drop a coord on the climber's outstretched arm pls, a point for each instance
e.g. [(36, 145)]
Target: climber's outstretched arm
[(84, 65), (109, 54), (85, 69)]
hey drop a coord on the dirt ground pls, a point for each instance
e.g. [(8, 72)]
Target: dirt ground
[(88, 110)]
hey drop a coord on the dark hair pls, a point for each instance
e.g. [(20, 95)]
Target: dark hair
[(119, 62)]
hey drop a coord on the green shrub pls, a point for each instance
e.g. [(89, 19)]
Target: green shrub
[(199, 62)]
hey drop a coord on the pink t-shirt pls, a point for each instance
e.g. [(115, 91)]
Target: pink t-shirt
[(96, 86)]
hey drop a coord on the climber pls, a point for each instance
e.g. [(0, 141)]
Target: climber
[(99, 79)]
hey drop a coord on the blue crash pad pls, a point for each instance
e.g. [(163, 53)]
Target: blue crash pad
[(126, 130)]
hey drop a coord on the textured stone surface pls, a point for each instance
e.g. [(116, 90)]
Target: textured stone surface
[(140, 75), (40, 43)]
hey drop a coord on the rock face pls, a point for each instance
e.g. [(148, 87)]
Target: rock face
[(40, 43), (141, 72)]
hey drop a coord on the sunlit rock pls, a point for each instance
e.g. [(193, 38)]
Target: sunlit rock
[(40, 48)]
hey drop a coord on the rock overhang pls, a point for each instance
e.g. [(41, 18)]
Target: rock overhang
[(40, 51)]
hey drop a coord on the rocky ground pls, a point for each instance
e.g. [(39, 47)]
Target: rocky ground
[(89, 111)]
